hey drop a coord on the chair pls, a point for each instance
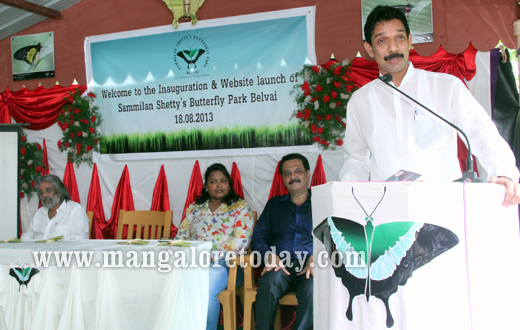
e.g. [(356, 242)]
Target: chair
[(90, 216), (228, 297), (248, 295), (154, 224)]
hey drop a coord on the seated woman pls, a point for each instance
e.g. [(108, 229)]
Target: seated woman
[(221, 216)]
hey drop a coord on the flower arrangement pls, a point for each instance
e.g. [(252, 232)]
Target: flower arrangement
[(79, 119), (322, 101), (31, 159)]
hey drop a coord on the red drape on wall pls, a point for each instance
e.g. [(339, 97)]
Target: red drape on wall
[(161, 198), (95, 204), (277, 187), (237, 180), (69, 180), (123, 200), (39, 107), (461, 65), (318, 177), (194, 188)]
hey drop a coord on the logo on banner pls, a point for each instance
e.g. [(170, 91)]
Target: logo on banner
[(191, 54)]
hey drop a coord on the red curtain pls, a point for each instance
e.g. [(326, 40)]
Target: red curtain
[(123, 199), (237, 180), (194, 188), (161, 198), (39, 108), (69, 180), (277, 187), (318, 177), (95, 204)]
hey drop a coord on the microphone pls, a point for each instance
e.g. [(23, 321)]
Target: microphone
[(469, 175)]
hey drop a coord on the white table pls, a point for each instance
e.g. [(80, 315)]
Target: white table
[(104, 297)]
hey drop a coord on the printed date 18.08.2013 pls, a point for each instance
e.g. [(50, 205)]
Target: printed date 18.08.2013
[(194, 118)]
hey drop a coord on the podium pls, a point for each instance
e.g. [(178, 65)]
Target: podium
[(446, 256)]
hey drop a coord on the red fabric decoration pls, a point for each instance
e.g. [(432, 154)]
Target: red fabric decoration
[(237, 180), (39, 108), (462, 66), (194, 189), (69, 180), (161, 199), (277, 187), (318, 177), (123, 199), (45, 160), (95, 204)]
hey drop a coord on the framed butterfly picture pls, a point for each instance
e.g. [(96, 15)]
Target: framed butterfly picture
[(33, 56)]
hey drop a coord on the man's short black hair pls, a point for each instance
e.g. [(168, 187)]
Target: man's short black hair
[(291, 157), (383, 14)]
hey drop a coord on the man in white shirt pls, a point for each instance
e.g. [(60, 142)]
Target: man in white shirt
[(386, 132), (59, 215)]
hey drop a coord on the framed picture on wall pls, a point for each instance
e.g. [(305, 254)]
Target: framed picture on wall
[(33, 56)]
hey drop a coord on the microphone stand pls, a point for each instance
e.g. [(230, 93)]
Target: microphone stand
[(469, 175)]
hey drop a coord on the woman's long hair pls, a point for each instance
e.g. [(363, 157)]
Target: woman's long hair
[(231, 198)]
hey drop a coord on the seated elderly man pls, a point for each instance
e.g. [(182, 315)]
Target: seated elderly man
[(59, 215)]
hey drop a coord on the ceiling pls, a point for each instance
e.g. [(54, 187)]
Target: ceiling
[(18, 15)]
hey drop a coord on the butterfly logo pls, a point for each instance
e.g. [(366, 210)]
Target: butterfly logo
[(376, 260), (191, 56), (23, 274), (28, 54)]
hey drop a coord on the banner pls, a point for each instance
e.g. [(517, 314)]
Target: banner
[(222, 84)]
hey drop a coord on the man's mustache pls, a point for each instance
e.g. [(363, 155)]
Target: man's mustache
[(294, 180), (393, 55)]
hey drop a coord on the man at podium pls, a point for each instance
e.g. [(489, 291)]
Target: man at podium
[(388, 131)]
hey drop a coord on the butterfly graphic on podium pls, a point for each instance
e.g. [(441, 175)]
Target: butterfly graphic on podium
[(374, 260), (23, 275)]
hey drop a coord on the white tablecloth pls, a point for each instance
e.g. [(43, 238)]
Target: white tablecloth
[(101, 297)]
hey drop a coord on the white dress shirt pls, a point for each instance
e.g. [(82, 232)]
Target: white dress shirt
[(387, 132), (70, 220)]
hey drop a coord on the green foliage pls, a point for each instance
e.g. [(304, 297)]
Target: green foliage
[(31, 158), (79, 120), (198, 139)]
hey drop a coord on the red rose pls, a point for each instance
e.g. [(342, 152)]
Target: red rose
[(92, 130), (299, 114), (90, 94), (88, 148), (72, 135), (93, 119), (71, 117), (67, 144), (326, 98), (325, 143), (305, 86), (337, 70), (337, 84), (84, 121), (33, 184), (339, 142), (59, 144), (316, 69), (306, 92), (22, 151), (319, 118), (328, 117), (349, 88), (338, 103), (64, 126), (38, 146), (71, 122), (316, 139), (95, 141), (38, 169), (344, 125), (69, 98), (79, 134), (78, 148), (339, 118), (307, 114), (334, 94), (23, 138), (313, 128), (346, 78), (320, 130), (22, 195), (314, 99), (77, 111), (319, 88)]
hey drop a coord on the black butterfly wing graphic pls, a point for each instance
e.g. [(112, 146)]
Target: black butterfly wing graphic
[(393, 257), (28, 54), (191, 56), (23, 275)]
